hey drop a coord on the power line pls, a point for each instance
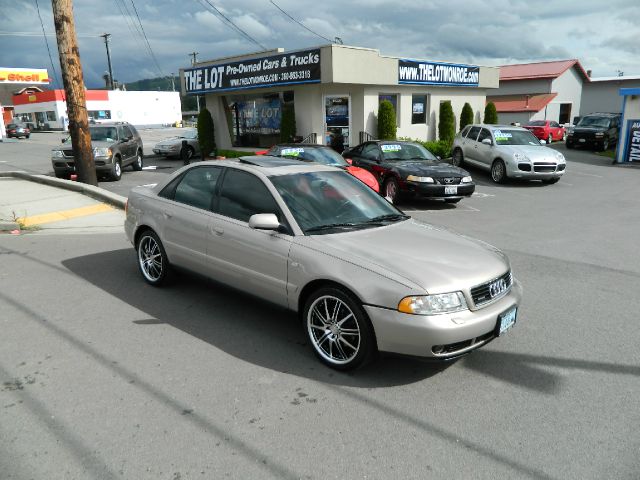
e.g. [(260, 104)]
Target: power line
[(153, 56), (233, 25), (300, 23), (55, 74)]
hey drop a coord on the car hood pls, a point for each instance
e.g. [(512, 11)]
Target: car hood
[(95, 144), (425, 168), (534, 152), (588, 129), (173, 141), (430, 258)]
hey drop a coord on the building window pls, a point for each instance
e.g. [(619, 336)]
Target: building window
[(51, 116), (418, 109), (393, 98), (100, 114)]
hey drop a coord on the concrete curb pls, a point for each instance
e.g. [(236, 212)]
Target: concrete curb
[(94, 192)]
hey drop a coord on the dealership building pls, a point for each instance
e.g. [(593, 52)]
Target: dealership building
[(335, 90)]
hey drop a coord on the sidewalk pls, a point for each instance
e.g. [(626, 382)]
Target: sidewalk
[(36, 204)]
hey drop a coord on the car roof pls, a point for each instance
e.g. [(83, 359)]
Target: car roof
[(602, 114), (272, 166)]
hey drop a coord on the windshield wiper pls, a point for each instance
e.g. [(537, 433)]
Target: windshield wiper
[(394, 217), (330, 226)]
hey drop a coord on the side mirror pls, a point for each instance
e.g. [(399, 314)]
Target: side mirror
[(349, 161), (264, 221), (438, 157), (487, 141)]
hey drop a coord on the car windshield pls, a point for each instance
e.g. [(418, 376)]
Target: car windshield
[(537, 123), (515, 137), (333, 201), (594, 122), (326, 156), (190, 134), (103, 134), (405, 151)]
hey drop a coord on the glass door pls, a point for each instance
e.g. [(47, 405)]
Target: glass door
[(337, 121)]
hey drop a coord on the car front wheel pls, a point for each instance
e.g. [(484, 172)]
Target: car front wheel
[(498, 172), (391, 189), (338, 329), (152, 259), (116, 170), (550, 139)]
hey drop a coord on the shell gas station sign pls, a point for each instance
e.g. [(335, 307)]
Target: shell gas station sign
[(29, 76)]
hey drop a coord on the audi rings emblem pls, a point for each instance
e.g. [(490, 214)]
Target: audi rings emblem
[(497, 288)]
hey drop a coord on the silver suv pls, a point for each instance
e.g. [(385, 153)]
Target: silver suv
[(115, 145), (507, 152)]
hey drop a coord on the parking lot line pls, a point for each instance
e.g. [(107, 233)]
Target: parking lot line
[(64, 215)]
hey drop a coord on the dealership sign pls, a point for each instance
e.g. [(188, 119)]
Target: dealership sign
[(24, 75), (632, 150), (283, 69), (415, 72)]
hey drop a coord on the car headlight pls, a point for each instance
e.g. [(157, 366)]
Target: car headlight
[(559, 156), (57, 154), (414, 178), (101, 152), (521, 157), (433, 304), (599, 134), (466, 179)]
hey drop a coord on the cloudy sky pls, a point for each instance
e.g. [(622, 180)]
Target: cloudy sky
[(603, 36)]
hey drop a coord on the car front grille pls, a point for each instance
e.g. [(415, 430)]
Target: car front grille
[(544, 167), (68, 153), (525, 167), (448, 180), (492, 290)]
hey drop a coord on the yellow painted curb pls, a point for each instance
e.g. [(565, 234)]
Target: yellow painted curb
[(63, 215)]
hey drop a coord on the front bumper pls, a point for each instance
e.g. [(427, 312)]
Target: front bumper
[(436, 190), (591, 142), (460, 332), (67, 165), (167, 152), (536, 170)]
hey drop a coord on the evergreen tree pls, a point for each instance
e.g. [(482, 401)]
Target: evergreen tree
[(206, 136), (466, 117), (386, 121), (446, 125), (490, 114), (287, 123)]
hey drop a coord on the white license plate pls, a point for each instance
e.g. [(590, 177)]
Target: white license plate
[(451, 190), (582, 140), (507, 320)]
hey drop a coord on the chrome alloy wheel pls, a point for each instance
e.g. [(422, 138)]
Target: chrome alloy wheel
[(150, 259), (334, 330)]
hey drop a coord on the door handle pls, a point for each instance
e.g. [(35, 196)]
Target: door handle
[(217, 230), (166, 215)]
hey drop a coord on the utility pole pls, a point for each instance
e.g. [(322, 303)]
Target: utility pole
[(74, 90), (106, 37), (194, 59)]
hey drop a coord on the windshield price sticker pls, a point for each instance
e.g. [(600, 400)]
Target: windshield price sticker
[(292, 152), (391, 148), (498, 134)]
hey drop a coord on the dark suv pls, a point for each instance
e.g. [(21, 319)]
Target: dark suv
[(115, 145), (596, 130)]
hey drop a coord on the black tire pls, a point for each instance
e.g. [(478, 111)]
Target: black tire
[(457, 158), (116, 170), (550, 139), (186, 154), (570, 145), (138, 163), (498, 171), (550, 181), (152, 259), (391, 189), (452, 200), (564, 136), (333, 318), (605, 145), (27, 136)]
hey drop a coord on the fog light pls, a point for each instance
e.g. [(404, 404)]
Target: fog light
[(438, 349)]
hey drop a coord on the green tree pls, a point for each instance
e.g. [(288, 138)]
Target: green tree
[(447, 123), (490, 114), (287, 123), (466, 117), (386, 121), (206, 136)]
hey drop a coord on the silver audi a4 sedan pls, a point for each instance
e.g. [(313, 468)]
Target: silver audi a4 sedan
[(363, 276)]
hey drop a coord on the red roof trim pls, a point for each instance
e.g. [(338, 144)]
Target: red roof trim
[(521, 103), (528, 71)]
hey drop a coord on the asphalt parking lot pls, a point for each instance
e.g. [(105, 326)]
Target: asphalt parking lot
[(102, 376)]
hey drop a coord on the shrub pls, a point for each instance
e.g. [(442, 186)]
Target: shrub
[(206, 137), (386, 121), (490, 114), (287, 123), (234, 153), (440, 148), (466, 117), (446, 124)]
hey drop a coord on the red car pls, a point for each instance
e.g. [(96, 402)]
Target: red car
[(325, 155), (546, 130)]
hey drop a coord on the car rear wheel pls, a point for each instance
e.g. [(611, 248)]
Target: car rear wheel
[(152, 259), (338, 328), (139, 162), (569, 145), (564, 137), (116, 170), (457, 158), (498, 171), (391, 189)]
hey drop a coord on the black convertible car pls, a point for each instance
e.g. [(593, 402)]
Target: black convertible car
[(408, 169)]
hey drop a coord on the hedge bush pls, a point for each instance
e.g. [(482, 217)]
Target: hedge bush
[(386, 121), (446, 124), (466, 117), (206, 136), (287, 123), (490, 114), (234, 153)]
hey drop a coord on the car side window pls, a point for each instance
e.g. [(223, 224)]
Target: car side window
[(484, 133), (370, 151), (464, 131), (197, 187), (126, 131), (473, 133), (243, 194)]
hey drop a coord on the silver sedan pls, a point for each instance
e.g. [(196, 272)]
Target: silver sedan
[(507, 152), (172, 147), (363, 276)]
